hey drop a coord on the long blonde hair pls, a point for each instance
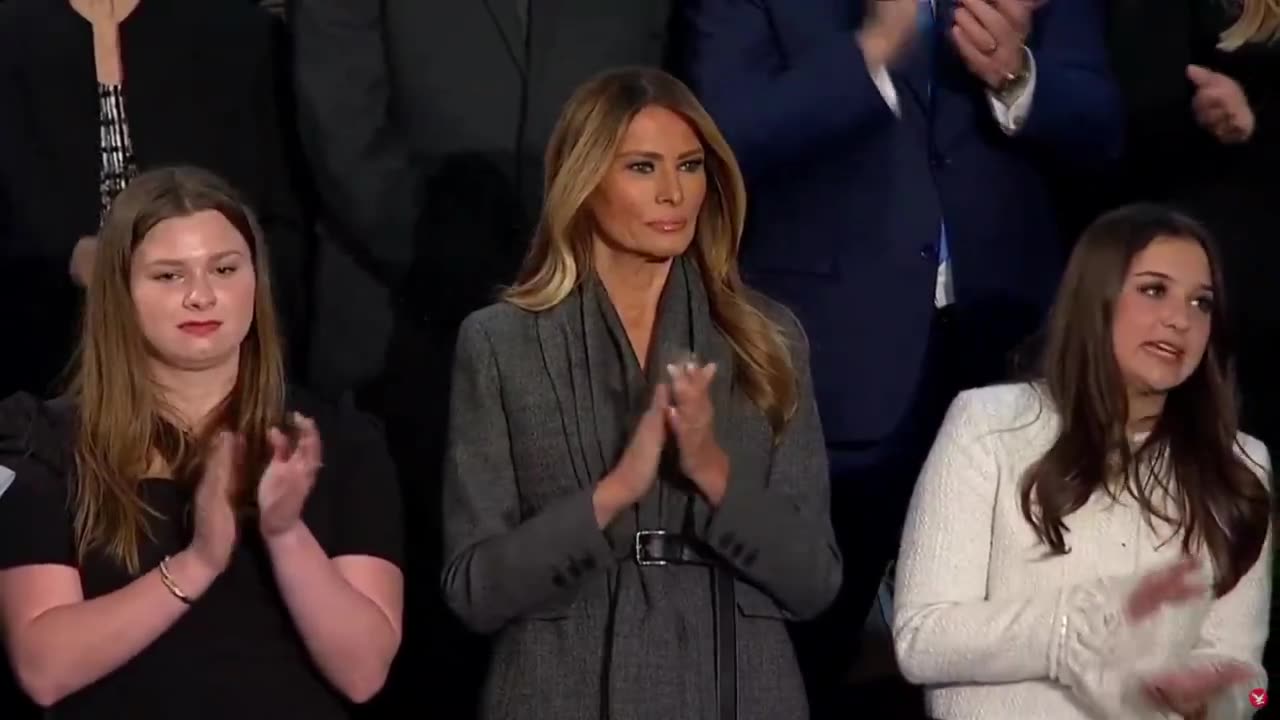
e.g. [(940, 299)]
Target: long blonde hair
[(582, 147), (123, 422), (1259, 22)]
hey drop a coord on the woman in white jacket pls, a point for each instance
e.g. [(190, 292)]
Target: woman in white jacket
[(1096, 543)]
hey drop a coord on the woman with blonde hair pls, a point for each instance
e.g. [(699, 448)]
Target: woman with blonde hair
[(635, 484), (171, 543)]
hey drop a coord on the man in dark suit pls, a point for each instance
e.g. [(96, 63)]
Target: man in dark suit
[(425, 123), (895, 152)]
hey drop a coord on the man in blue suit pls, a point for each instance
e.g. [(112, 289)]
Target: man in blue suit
[(896, 153)]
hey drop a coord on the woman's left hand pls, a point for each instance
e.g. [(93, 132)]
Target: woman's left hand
[(691, 417), (289, 477), (1187, 691)]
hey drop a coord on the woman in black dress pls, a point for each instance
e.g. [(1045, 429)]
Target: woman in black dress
[(170, 542)]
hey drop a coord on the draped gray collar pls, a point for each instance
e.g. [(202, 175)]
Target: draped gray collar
[(602, 391)]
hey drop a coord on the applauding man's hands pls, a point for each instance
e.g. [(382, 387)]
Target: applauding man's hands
[(887, 31), (990, 37)]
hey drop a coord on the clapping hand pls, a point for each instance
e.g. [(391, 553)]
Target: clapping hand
[(1187, 691), (289, 477), (887, 31), (637, 469), (692, 420), (214, 535), (990, 37), (1171, 585)]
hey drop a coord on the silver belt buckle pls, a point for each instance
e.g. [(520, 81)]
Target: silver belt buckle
[(640, 558)]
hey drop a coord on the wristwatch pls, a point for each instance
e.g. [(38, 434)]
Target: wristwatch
[(1015, 83)]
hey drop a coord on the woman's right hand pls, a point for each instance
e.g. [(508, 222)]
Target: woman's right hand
[(1171, 585), (215, 520), (637, 470)]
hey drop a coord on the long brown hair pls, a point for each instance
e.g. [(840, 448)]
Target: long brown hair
[(1220, 503), (123, 423), (581, 149)]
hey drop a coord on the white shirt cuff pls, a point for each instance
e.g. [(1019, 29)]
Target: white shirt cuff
[(1013, 116), (884, 83)]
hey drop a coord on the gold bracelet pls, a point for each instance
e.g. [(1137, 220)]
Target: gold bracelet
[(169, 583)]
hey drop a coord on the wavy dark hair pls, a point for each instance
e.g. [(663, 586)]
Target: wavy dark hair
[(1220, 502)]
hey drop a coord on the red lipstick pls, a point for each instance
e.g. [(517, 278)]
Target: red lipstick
[(200, 329)]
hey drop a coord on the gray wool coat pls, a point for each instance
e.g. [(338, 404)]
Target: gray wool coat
[(543, 405)]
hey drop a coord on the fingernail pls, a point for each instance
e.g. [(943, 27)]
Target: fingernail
[(672, 369)]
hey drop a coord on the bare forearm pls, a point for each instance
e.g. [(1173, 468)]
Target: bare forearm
[(67, 648), (350, 638)]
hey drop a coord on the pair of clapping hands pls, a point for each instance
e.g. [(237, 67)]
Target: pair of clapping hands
[(989, 37), (282, 490), (680, 408), (1185, 690)]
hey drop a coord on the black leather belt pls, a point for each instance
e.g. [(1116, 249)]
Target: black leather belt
[(659, 547)]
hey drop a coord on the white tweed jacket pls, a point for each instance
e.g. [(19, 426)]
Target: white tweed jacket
[(996, 628)]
